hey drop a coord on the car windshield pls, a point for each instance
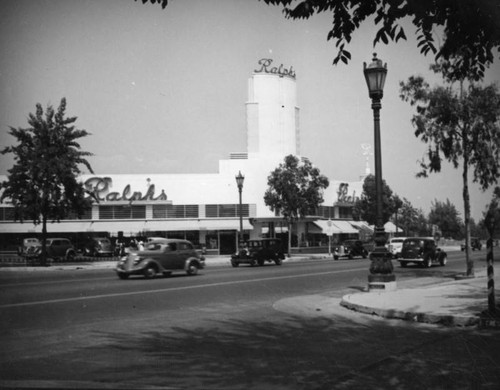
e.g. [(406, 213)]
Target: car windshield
[(409, 243), (254, 244)]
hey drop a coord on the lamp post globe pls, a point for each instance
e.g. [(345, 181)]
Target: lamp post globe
[(375, 75), (239, 182)]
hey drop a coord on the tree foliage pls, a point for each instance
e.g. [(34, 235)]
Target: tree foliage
[(413, 221), (461, 125), (295, 189), (446, 216), (471, 28), (42, 185), (366, 207)]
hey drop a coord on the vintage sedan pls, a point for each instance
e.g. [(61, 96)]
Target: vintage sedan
[(422, 251), (258, 251), (98, 246), (350, 249), (161, 256), (58, 249)]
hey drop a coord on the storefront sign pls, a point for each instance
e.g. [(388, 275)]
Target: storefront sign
[(265, 67), (342, 194), (99, 187)]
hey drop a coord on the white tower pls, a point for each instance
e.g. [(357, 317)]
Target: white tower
[(272, 113)]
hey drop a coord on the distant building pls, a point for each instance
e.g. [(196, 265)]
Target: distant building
[(204, 207)]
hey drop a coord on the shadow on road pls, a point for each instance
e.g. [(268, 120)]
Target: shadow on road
[(302, 353)]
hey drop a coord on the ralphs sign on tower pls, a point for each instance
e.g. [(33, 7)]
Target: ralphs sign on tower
[(265, 67)]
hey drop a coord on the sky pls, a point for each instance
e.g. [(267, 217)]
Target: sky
[(164, 91)]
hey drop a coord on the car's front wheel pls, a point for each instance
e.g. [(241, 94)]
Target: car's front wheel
[(70, 256), (403, 264), (149, 272), (234, 263), (123, 276), (192, 269), (443, 260)]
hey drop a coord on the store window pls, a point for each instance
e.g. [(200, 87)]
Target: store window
[(6, 213), (122, 212), (345, 212), (226, 210), (175, 211)]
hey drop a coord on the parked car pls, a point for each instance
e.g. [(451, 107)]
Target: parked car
[(350, 249), (98, 246), (423, 251), (58, 249), (27, 243), (161, 256), (395, 245), (258, 251), (475, 244)]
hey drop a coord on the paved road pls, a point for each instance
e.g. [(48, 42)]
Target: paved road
[(220, 329)]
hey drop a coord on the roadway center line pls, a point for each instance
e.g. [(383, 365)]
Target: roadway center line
[(168, 289)]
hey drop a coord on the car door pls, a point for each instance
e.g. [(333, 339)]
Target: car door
[(171, 259)]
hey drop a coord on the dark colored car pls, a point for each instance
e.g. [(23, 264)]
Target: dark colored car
[(98, 246), (350, 249), (259, 251), (58, 249), (423, 251), (475, 244), (161, 256)]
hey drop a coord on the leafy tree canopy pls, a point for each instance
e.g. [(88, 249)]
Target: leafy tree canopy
[(295, 188), (446, 216), (366, 207), (42, 185), (471, 28), (457, 125)]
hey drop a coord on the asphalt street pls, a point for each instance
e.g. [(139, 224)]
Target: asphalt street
[(227, 328)]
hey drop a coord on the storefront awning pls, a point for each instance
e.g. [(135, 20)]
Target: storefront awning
[(336, 227), (128, 227)]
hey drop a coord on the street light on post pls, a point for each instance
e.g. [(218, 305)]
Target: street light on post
[(239, 181), (381, 276)]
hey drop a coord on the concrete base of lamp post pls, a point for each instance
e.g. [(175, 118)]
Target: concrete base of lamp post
[(382, 282)]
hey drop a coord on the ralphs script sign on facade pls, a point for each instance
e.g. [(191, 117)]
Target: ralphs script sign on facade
[(100, 188)]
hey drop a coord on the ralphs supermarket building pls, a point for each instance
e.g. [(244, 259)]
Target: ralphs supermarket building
[(204, 208)]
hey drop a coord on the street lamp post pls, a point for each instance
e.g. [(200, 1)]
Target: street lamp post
[(381, 264), (239, 181)]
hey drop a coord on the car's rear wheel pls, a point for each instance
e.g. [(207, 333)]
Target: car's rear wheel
[(123, 276), (234, 263), (150, 272), (260, 262), (403, 264), (278, 261), (192, 269)]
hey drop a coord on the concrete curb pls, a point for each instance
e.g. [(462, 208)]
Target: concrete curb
[(429, 318)]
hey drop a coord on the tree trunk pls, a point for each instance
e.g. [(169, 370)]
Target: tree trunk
[(43, 258), (289, 238), (468, 258)]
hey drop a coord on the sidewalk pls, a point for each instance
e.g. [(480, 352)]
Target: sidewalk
[(452, 303)]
